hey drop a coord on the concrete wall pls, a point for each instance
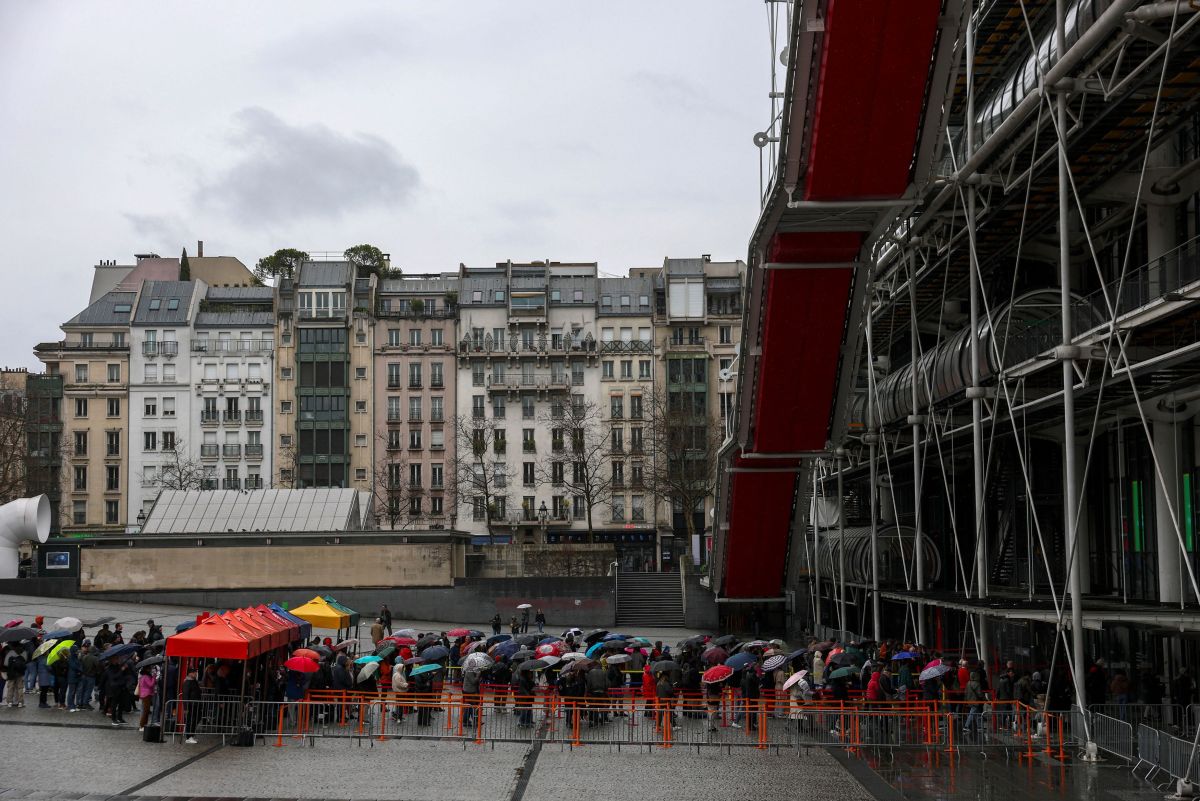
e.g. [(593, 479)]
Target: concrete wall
[(700, 606), (515, 561), (283, 566)]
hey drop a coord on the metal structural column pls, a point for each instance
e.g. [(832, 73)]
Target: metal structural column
[(841, 510), (1166, 506), (915, 420), (872, 439), (817, 513)]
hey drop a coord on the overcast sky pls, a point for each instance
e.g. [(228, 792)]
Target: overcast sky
[(472, 132)]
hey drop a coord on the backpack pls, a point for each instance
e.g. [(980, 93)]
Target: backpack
[(16, 665)]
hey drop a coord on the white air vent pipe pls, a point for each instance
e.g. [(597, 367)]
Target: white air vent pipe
[(21, 520)]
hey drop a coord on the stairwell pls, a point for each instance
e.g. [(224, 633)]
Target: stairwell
[(649, 599)]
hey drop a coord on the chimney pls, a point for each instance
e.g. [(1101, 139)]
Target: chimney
[(199, 248), (706, 258)]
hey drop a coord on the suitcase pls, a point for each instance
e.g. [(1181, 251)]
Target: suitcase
[(152, 733), (244, 738)]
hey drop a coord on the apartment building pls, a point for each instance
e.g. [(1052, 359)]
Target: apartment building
[(414, 401), (324, 428), (93, 361), (161, 399), (232, 365)]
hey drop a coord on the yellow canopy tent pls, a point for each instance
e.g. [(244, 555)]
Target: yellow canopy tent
[(322, 615)]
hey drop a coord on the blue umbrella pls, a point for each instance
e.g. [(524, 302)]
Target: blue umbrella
[(615, 637), (57, 634), (184, 626), (904, 655), (425, 669), (506, 649), (414, 660), (495, 638), (362, 660), (739, 661), (795, 654), (120, 650), (595, 647), (434, 652), (549, 640)]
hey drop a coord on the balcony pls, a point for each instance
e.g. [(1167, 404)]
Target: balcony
[(686, 344), (477, 414), (395, 383), (395, 416), (233, 416), (231, 483), (436, 383), (254, 452), (499, 447), (210, 451), (232, 346), (414, 384), (556, 447), (536, 381), (414, 417), (395, 445), (208, 484), (160, 348), (94, 344), (321, 314), (254, 482), (621, 346), (254, 417), (231, 451), (406, 312), (437, 417), (528, 447), (210, 417)]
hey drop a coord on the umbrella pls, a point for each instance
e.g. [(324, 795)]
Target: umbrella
[(534, 665), (775, 662), (937, 671), (550, 661), (458, 633), (427, 640), (933, 663), (16, 635), (474, 633), (184, 626), (717, 673), (477, 662), (504, 650), (435, 653), (368, 659), (57, 652), (414, 660), (68, 623), (344, 644), (547, 650), (739, 661), (843, 673), (524, 653), (476, 645), (840, 659), (714, 656), (323, 650), (573, 655), (407, 633), (92, 622), (798, 653), (780, 644), (302, 664), (147, 662), (665, 665), (425, 669), (44, 648), (611, 637), (400, 640), (904, 655), (619, 659), (308, 652), (793, 679), (581, 664), (12, 624), (699, 639), (757, 644), (120, 650), (613, 645), (526, 639), (725, 641), (368, 670), (595, 648), (572, 633), (548, 640), (524, 606), (823, 647), (594, 635), (56, 634), (495, 638), (385, 650)]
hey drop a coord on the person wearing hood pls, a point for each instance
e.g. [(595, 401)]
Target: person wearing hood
[(471, 697), (399, 687), (818, 669), (974, 696), (648, 691)]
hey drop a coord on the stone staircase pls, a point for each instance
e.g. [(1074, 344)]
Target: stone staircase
[(649, 600)]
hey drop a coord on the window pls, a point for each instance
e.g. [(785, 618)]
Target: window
[(285, 440), (393, 440), (87, 339), (578, 510), (118, 339), (155, 304), (527, 407), (635, 471), (79, 512), (616, 406), (500, 477), (360, 373), (112, 478), (606, 301), (414, 409), (635, 439), (499, 296), (635, 407), (435, 505), (638, 511), (231, 371), (498, 407), (477, 509), (435, 374), (285, 407), (111, 512), (627, 368), (168, 440), (606, 369), (414, 376), (725, 332), (528, 473), (477, 296), (618, 474), (477, 375), (173, 304), (360, 406), (285, 373), (618, 509), (436, 476), (414, 475), (414, 439), (393, 374), (644, 368), (114, 407), (556, 473), (393, 339), (150, 374), (414, 336), (112, 443), (644, 301), (81, 440), (437, 439), (150, 441), (527, 442), (477, 406), (360, 440), (80, 484), (151, 409), (577, 296), (81, 407), (168, 406), (414, 506), (114, 374), (435, 337)]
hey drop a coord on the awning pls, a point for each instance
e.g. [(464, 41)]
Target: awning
[(305, 628), (215, 638), (329, 599), (321, 615), (290, 626)]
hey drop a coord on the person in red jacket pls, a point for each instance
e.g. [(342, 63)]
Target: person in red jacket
[(649, 692)]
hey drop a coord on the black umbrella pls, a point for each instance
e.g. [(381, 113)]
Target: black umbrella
[(120, 650), (692, 642), (664, 665), (154, 660), (16, 635), (725, 641), (324, 650), (495, 638), (616, 645), (524, 653), (414, 660), (841, 660), (595, 635), (184, 626), (97, 621), (527, 639), (474, 633), (434, 653), (533, 664), (427, 640)]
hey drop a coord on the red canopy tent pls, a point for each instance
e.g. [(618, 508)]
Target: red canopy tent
[(289, 626), (215, 638)]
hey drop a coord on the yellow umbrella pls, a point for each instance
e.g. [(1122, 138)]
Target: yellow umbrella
[(44, 648), (59, 651)]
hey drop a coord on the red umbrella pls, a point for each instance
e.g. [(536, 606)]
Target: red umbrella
[(458, 632), (715, 655), (309, 654), (717, 674), (548, 649), (400, 640), (301, 664)]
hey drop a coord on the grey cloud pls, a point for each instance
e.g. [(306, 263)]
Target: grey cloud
[(289, 172), (675, 91), (159, 231)]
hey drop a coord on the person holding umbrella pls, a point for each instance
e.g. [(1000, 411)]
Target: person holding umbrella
[(14, 670), (525, 619)]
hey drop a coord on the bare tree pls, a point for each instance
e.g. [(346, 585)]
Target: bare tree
[(683, 441), (182, 471), (481, 474), (392, 488), (287, 466), (580, 453), (14, 454)]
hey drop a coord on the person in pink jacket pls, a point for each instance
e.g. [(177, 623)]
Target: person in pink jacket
[(145, 693)]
